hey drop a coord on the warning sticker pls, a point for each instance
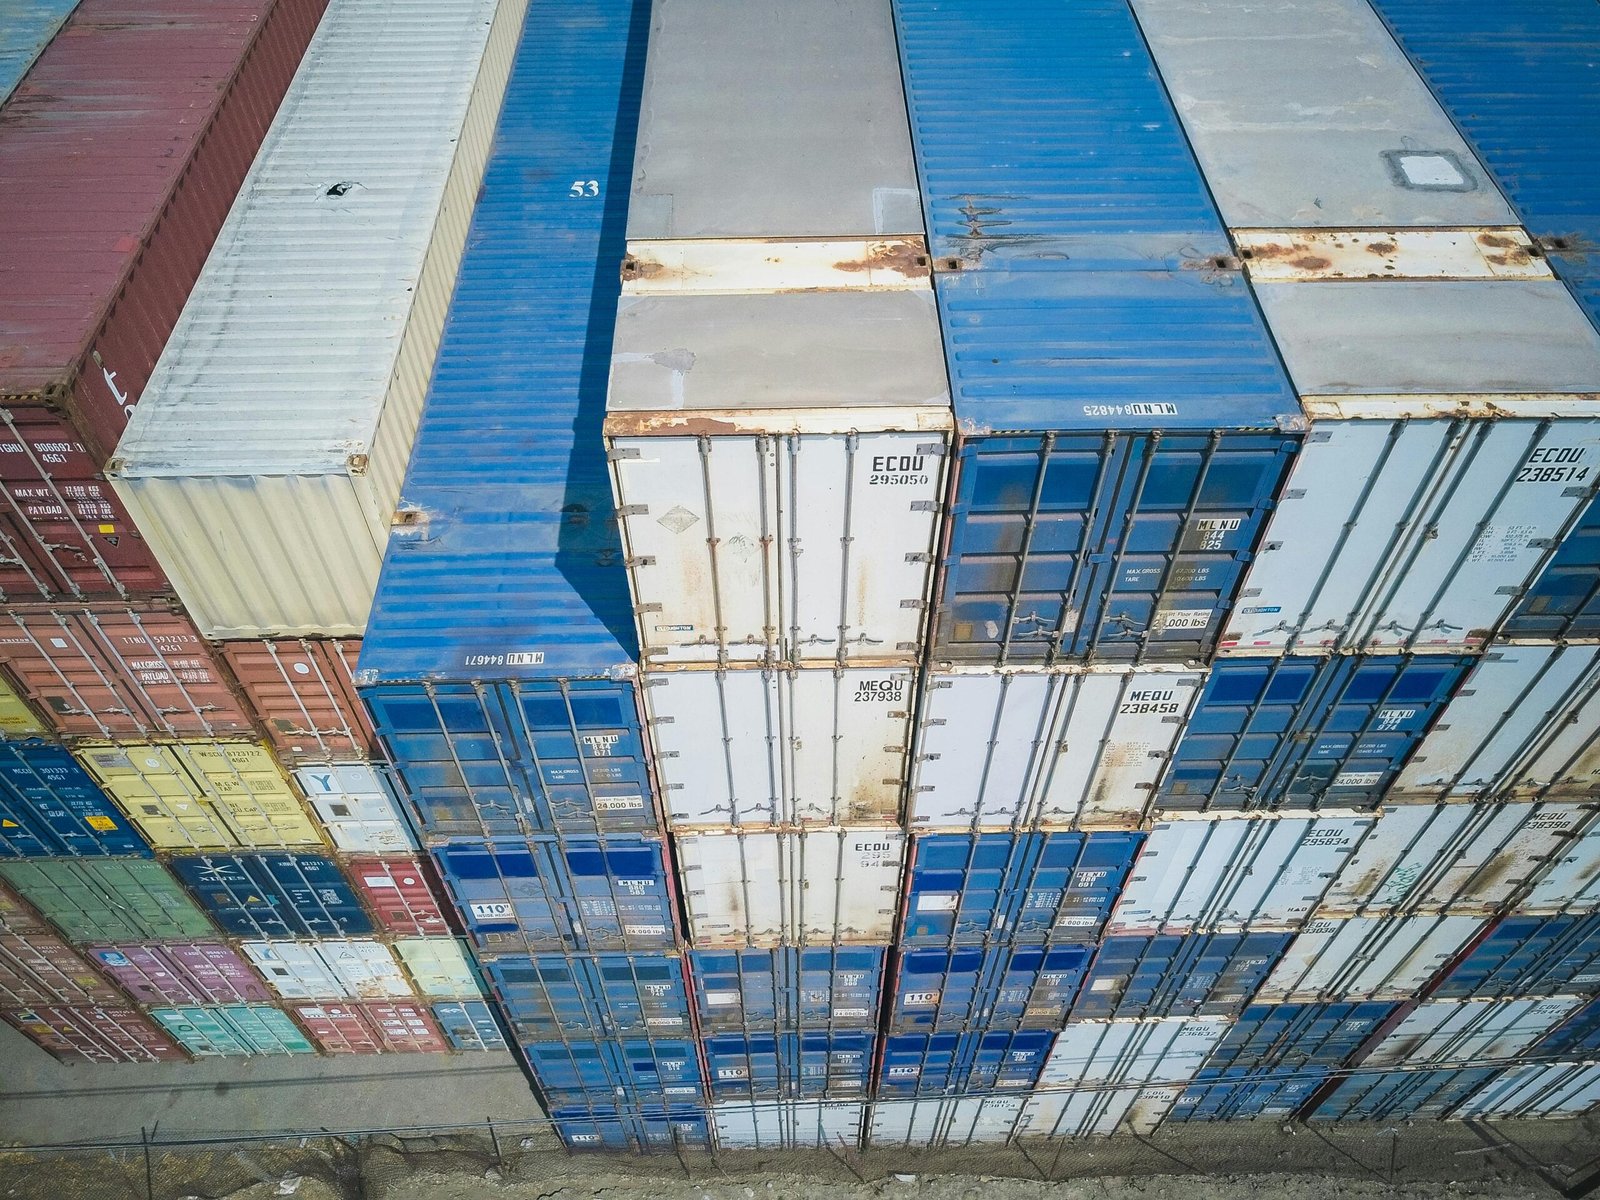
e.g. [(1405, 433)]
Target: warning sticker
[(102, 823)]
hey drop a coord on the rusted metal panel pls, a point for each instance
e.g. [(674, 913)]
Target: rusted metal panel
[(164, 103), (760, 265), (1303, 256), (305, 696), (114, 1033)]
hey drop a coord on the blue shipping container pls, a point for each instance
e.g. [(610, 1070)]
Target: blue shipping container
[(1283, 1037), (274, 895), (1173, 975), (626, 1071), (966, 888), (1529, 956), (1518, 80), (518, 758), (50, 807), (26, 28), (788, 988), (1564, 602), (1401, 1095), (546, 893), (469, 1025), (1303, 731), (1242, 1094), (644, 1131), (547, 997), (789, 1066), (961, 1064), (1000, 987)]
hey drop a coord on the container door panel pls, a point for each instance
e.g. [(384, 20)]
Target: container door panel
[(848, 734), (718, 745)]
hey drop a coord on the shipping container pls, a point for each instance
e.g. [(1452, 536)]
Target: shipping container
[(305, 694), (1458, 858), (205, 973), (275, 895), (1530, 956), (1304, 732), (1367, 958), (789, 1066), (1541, 1090), (996, 987), (1400, 1095), (816, 988), (788, 1124), (202, 795), (517, 896), (233, 1030), (440, 967), (631, 1072), (357, 805), (371, 1028), (329, 969), (1235, 871), (38, 968), (109, 900), (1073, 748), (1466, 1033), (402, 894), (1564, 601), (1241, 1094), (932, 1124), (960, 1064), (817, 887), (967, 889), (1105, 1076), (17, 720), (1523, 724), (517, 758), (469, 1025), (1576, 1037), (17, 918), (1173, 975), (113, 1033), (49, 807), (1289, 1038), (27, 29), (1570, 881), (608, 1128), (760, 747), (118, 672), (550, 997), (504, 566), (265, 490)]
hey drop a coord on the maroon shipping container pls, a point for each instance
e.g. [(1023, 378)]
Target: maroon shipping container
[(402, 893), (117, 672), (17, 918), (372, 1028), (120, 154), (42, 969), (306, 697), (206, 973), (101, 1034), (64, 532)]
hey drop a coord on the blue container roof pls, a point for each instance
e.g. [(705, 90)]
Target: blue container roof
[(511, 567), (26, 28), (1093, 350)]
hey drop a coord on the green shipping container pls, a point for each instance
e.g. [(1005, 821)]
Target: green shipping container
[(109, 900), (233, 1029)]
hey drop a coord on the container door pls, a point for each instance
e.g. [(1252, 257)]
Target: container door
[(1366, 958), (367, 969), (407, 1028), (1571, 883), (356, 807), (57, 807), (1070, 884), (1462, 1032), (266, 1030), (1564, 601), (1412, 535), (963, 887), (617, 891), (218, 973), (339, 1029), (400, 895), (296, 971), (505, 897), (848, 733), (200, 1031), (469, 1025), (719, 747)]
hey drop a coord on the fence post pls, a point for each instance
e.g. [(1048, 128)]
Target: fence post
[(149, 1172)]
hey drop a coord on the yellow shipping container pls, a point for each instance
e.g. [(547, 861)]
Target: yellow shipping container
[(202, 795), (16, 718)]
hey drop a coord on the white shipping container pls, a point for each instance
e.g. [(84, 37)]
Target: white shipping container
[(1210, 871), (1463, 858), (1536, 1090), (439, 967), (931, 1124), (1366, 958), (356, 809), (329, 969), (816, 887), (1081, 747), (1571, 883), (1524, 723), (264, 459), (788, 1124), (1469, 1033), (757, 747), (1427, 496)]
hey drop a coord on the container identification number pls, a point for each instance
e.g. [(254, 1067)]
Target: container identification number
[(1143, 703), (526, 658), (884, 690), (1130, 410), (1553, 464), (897, 469)]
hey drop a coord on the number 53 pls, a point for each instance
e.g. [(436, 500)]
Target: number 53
[(584, 187)]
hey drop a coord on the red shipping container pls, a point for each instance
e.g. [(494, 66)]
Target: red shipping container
[(117, 672), (406, 1028), (402, 893), (16, 917), (306, 697), (120, 154), (112, 1033), (205, 973), (42, 969), (64, 532), (372, 1028)]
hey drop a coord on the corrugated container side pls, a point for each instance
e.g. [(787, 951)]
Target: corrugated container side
[(207, 475), (114, 1033), (823, 988), (93, 349), (26, 31), (275, 895), (233, 1030), (41, 969), (109, 900), (306, 698), (788, 1124), (1208, 974), (1529, 956), (202, 973), (48, 806)]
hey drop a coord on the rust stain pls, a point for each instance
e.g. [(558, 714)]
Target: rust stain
[(1381, 248), (1311, 262), (619, 424), (1511, 258), (635, 267), (1496, 240), (904, 257)]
